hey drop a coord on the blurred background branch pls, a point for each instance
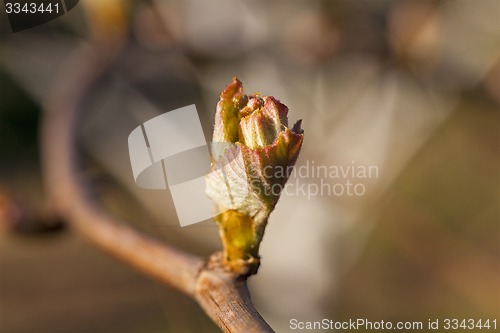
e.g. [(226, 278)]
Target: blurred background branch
[(222, 294)]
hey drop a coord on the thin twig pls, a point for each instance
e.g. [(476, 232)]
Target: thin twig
[(223, 295)]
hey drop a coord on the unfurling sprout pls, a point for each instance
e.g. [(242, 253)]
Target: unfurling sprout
[(253, 153)]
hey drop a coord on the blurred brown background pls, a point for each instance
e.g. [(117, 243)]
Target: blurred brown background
[(412, 87)]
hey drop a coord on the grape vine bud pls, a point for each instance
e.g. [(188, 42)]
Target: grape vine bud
[(253, 154)]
